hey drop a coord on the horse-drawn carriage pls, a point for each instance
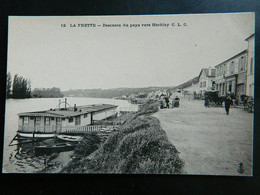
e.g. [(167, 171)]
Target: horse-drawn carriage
[(212, 99)]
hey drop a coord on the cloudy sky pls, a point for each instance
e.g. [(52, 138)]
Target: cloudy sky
[(111, 57)]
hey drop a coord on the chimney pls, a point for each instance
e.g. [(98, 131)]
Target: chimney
[(75, 107)]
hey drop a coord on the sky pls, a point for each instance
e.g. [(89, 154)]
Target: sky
[(50, 55)]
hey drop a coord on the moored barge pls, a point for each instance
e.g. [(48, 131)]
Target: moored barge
[(66, 120)]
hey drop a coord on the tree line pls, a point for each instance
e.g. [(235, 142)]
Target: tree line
[(111, 93), (53, 92), (17, 88), (20, 88)]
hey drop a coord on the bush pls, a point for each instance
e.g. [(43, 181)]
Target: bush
[(90, 142)]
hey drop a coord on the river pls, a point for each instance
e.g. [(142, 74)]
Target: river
[(15, 159)]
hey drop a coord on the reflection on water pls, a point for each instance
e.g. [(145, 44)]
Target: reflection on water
[(21, 158)]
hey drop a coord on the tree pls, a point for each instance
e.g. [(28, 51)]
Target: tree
[(28, 89), (21, 87), (16, 86), (8, 85)]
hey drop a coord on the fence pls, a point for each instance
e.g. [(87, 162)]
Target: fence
[(82, 129), (79, 129)]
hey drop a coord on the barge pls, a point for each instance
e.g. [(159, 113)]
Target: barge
[(66, 120)]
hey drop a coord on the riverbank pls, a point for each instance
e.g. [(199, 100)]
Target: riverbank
[(140, 146)]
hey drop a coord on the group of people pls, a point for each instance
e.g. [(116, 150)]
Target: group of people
[(175, 102)]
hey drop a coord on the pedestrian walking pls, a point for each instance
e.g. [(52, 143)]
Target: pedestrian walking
[(228, 102), (206, 104)]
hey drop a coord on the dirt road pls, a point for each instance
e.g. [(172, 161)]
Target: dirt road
[(209, 141)]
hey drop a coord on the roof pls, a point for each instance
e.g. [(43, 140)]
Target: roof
[(69, 111), (242, 52), (250, 36), (206, 70)]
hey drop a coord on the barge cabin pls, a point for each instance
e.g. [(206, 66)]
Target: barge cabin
[(64, 120)]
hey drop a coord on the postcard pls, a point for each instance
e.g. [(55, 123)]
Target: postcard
[(135, 94)]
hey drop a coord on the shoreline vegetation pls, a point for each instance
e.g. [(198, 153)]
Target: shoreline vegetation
[(20, 88), (111, 93), (139, 146)]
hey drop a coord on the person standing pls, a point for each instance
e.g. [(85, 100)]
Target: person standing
[(167, 102), (228, 101), (206, 104), (176, 101)]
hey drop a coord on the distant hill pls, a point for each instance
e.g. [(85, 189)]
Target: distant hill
[(195, 80), (110, 93)]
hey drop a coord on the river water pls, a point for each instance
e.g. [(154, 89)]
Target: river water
[(21, 160)]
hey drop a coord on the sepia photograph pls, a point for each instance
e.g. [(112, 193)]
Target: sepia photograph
[(137, 94)]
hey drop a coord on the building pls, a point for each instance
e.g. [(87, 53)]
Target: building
[(206, 80), (235, 76), (189, 88), (250, 65), (64, 119), (231, 75)]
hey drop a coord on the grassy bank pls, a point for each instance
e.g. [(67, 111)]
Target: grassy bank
[(140, 146)]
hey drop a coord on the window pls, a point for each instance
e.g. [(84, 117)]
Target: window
[(25, 120), (200, 84), (58, 121), (47, 121), (38, 120), (241, 63), (70, 119), (77, 120), (229, 87), (213, 84), (224, 69), (204, 84), (241, 88), (231, 67), (85, 115), (251, 65), (223, 89)]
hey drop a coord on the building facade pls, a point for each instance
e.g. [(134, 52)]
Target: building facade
[(231, 75), (206, 80), (250, 65)]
